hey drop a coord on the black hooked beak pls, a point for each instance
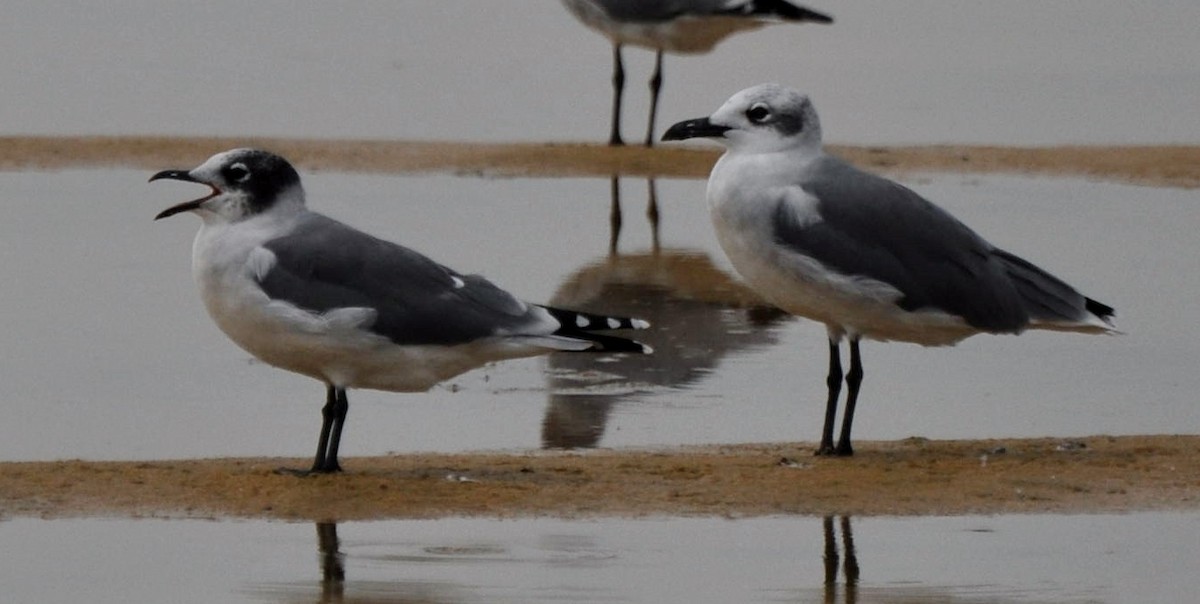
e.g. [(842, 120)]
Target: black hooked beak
[(697, 128), (186, 206)]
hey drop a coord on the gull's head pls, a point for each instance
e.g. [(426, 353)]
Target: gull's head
[(243, 183), (760, 119)]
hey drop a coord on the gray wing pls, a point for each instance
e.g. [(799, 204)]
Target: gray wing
[(323, 265), (872, 227)]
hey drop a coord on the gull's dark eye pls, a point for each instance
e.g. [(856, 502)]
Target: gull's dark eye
[(236, 173), (758, 113)]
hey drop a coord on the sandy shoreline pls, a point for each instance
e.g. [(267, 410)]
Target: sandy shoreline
[(1173, 166), (911, 477)]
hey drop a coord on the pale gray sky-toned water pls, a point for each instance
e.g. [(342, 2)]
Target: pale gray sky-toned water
[(1016, 72), (110, 354), (964, 560)]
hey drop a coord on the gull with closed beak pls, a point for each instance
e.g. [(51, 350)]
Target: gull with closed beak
[(862, 254)]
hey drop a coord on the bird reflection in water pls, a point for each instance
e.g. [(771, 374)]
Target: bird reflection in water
[(833, 560), (698, 315), (334, 588), (615, 219), (333, 567)]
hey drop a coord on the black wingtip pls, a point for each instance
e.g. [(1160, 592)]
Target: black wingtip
[(573, 320), (583, 326), (1104, 311)]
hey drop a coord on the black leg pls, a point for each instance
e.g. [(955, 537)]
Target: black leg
[(335, 437), (834, 382), (655, 86), (853, 381), (333, 416), (618, 82), (327, 418)]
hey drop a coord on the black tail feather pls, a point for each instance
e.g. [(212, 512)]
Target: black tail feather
[(787, 11)]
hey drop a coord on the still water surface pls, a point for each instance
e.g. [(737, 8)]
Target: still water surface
[(922, 71), (1112, 559), (109, 354)]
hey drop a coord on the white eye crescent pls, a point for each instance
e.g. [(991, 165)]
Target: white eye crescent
[(758, 113), (237, 172)]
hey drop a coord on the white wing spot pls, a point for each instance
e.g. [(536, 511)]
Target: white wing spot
[(804, 205), (260, 262), (458, 283), (613, 323), (639, 323), (582, 321)]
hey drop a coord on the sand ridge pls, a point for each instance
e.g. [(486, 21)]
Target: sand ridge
[(1162, 165), (910, 477)]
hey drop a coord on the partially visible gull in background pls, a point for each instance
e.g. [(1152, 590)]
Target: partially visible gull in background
[(677, 26)]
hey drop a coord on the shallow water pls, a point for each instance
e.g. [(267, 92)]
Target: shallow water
[(924, 71), (1113, 559), (108, 353)]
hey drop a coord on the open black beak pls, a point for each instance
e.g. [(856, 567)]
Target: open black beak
[(697, 128), (186, 206)]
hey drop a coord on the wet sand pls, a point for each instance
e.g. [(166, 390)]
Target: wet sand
[(909, 477), (1174, 166)]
